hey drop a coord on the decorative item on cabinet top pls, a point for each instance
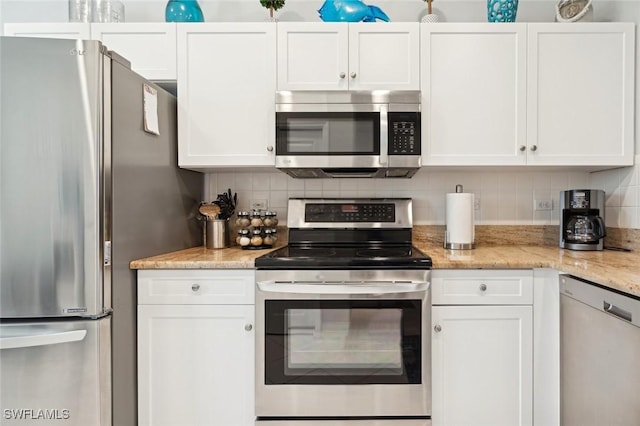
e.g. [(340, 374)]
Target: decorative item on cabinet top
[(430, 17), (183, 11), (272, 5), (574, 11), (502, 10), (350, 11)]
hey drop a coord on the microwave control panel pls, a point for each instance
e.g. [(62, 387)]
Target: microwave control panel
[(404, 133)]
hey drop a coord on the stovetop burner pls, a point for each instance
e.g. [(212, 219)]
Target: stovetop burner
[(291, 257)]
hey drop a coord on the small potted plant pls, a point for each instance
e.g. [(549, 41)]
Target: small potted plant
[(430, 16), (272, 5)]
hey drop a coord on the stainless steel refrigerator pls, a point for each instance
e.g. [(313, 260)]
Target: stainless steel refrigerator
[(86, 186)]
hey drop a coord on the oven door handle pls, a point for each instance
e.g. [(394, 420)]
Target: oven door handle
[(372, 289)]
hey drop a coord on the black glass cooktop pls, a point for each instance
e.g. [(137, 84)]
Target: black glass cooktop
[(345, 257)]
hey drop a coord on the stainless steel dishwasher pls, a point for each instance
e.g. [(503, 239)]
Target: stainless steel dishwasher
[(599, 355)]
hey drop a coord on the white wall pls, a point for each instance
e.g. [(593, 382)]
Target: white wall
[(505, 197)]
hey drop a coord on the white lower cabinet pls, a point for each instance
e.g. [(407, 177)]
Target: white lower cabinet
[(196, 347), (482, 347)]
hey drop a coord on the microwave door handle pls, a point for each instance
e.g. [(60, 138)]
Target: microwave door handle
[(364, 289), (384, 135)]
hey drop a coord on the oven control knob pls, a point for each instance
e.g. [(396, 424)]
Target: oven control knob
[(483, 287), (437, 328), (195, 287), (248, 327)]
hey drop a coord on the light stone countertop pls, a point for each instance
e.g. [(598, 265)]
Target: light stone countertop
[(614, 269)]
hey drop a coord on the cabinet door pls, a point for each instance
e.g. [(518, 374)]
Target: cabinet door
[(384, 56), (482, 365), (580, 98), (473, 94), (49, 30), (313, 56), (150, 47), (226, 102), (195, 365)]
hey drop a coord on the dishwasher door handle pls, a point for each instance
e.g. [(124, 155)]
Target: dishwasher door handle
[(618, 312)]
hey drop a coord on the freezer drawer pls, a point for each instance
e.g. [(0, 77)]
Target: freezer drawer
[(55, 372)]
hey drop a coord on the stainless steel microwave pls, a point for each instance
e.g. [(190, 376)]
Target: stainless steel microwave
[(348, 134)]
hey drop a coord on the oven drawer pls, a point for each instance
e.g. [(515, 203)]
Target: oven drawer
[(196, 287), (482, 287)]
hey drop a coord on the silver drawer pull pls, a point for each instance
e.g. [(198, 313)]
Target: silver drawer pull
[(195, 287), (437, 328), (614, 310), (483, 287), (248, 327)]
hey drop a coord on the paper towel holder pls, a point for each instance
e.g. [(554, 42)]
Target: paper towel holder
[(470, 239)]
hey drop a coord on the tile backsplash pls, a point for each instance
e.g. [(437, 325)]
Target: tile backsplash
[(503, 197)]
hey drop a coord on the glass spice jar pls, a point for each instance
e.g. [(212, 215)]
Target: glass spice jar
[(269, 237), (256, 219), (243, 237), (256, 237), (243, 219), (270, 219)]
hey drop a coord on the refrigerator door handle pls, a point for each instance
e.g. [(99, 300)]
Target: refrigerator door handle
[(42, 339)]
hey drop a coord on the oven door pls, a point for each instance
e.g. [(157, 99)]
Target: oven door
[(335, 350)]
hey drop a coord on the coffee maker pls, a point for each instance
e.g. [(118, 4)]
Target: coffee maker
[(582, 219)]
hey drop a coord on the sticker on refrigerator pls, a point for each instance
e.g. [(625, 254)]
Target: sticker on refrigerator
[(151, 110), (74, 310)]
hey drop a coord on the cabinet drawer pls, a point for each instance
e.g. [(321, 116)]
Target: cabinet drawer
[(482, 287), (196, 287)]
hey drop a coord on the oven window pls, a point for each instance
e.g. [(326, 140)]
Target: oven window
[(343, 342), (304, 133)]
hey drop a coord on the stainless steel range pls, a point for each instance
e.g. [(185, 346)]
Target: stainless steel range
[(343, 318)]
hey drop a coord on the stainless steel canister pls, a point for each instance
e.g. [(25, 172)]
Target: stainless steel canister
[(217, 233)]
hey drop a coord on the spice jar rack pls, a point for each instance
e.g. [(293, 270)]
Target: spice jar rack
[(256, 229)]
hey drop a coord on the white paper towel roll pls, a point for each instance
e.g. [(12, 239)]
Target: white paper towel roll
[(460, 230)]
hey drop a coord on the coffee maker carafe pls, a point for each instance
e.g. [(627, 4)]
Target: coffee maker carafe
[(582, 219)]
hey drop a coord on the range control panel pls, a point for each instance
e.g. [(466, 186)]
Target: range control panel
[(350, 212), (404, 133)]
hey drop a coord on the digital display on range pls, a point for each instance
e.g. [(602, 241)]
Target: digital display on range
[(350, 212)]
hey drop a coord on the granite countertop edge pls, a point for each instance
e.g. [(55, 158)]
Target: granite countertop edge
[(613, 269)]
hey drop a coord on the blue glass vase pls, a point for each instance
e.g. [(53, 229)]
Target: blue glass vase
[(502, 10), (183, 11)]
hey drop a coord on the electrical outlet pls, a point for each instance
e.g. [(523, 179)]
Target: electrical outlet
[(259, 204), (542, 205), (476, 203)]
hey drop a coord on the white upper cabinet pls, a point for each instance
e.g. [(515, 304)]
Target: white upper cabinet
[(535, 94), (49, 30), (341, 56), (473, 94), (226, 95), (151, 47), (580, 98)]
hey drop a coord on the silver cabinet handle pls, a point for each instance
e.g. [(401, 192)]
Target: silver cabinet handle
[(353, 75), (522, 148), (270, 148), (437, 328), (534, 148), (248, 327), (342, 75), (483, 287), (195, 287)]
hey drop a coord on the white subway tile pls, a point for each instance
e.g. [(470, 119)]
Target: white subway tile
[(244, 181), (628, 196), (294, 184), (628, 217), (312, 185), (261, 181), (278, 181), (611, 217)]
